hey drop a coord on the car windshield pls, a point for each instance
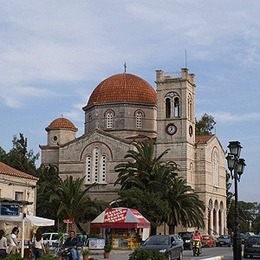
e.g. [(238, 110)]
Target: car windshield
[(254, 240), (158, 240), (46, 236)]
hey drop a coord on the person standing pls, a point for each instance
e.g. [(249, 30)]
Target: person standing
[(13, 241), (3, 244), (37, 244)]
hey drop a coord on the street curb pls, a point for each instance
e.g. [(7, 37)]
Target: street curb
[(214, 258)]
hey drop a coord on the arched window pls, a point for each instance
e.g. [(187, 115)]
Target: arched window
[(139, 119), (96, 167), (215, 167), (189, 107), (176, 107), (109, 117), (168, 107), (88, 169)]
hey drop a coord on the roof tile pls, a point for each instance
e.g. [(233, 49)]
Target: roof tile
[(8, 170)]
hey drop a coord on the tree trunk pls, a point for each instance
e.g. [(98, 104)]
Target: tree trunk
[(153, 230), (171, 229)]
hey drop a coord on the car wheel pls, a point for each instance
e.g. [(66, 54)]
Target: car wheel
[(180, 256)]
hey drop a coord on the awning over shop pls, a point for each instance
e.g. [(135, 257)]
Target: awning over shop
[(28, 220), (120, 218)]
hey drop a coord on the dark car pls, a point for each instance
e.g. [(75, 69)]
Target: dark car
[(224, 240), (252, 247), (170, 245), (187, 239), (243, 237)]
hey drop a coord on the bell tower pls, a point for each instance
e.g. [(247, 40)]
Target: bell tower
[(176, 120)]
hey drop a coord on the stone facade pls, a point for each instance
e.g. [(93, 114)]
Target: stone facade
[(125, 108)]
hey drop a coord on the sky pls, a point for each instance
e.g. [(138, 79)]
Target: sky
[(54, 53)]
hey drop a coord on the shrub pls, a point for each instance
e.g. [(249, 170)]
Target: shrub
[(141, 254), (16, 256), (107, 248)]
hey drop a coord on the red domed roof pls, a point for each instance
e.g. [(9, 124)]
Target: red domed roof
[(61, 123), (123, 88)]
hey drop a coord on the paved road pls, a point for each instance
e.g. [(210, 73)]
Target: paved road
[(206, 253)]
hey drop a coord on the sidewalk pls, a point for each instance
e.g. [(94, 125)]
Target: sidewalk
[(114, 254)]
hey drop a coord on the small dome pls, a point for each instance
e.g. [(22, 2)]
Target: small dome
[(61, 123), (123, 88)]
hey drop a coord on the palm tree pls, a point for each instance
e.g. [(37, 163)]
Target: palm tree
[(72, 199), (147, 183), (186, 207), (141, 167)]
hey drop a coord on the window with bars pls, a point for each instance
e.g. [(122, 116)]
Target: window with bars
[(96, 167), (139, 120), (109, 116)]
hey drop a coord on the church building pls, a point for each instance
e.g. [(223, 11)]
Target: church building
[(124, 108)]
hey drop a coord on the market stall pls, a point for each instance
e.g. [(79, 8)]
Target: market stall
[(28, 220), (124, 226)]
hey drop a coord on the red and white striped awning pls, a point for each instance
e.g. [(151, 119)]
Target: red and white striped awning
[(120, 218)]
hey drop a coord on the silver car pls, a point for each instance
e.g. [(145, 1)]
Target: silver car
[(170, 245)]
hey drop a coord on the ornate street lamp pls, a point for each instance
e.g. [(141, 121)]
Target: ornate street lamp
[(236, 166)]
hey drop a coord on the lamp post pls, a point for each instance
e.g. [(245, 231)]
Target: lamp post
[(236, 165)]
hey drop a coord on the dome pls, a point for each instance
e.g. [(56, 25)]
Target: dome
[(61, 123), (123, 88)]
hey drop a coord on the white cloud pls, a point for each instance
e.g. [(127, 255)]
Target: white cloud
[(222, 116)]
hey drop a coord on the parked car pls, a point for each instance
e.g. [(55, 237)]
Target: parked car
[(170, 245), (208, 241), (243, 237), (252, 247), (53, 239), (187, 239), (224, 240)]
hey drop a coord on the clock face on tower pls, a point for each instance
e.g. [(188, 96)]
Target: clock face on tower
[(171, 129)]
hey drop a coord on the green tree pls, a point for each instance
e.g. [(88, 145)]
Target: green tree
[(151, 185), (205, 125), (150, 204), (2, 155), (19, 157), (72, 199), (186, 207), (48, 180), (140, 167)]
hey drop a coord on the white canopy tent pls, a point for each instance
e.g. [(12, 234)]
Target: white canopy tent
[(29, 220)]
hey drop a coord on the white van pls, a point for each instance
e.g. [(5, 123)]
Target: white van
[(53, 239)]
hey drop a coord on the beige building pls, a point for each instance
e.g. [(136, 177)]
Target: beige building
[(123, 108), (17, 188)]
